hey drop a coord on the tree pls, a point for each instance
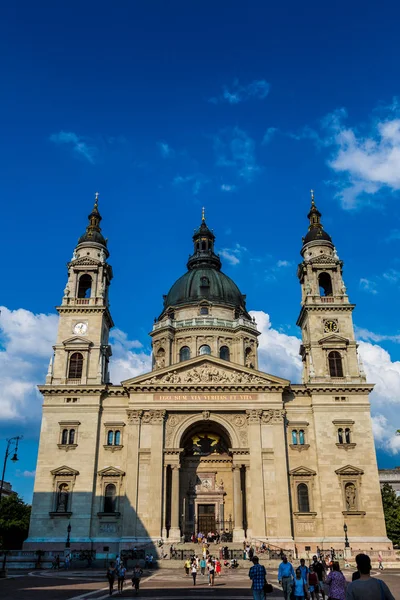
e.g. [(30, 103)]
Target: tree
[(391, 509), (14, 522)]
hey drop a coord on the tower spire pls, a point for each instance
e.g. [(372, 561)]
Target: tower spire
[(203, 214), (315, 229), (93, 229)]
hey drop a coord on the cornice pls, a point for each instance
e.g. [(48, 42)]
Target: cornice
[(194, 328), (47, 390)]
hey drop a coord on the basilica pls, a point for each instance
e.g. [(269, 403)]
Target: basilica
[(206, 441)]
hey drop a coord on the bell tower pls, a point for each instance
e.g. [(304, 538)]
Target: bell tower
[(328, 349), (82, 351)]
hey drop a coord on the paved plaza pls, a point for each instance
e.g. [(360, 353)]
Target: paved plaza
[(164, 583)]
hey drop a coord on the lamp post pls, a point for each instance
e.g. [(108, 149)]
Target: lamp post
[(10, 442), (68, 543), (346, 546)]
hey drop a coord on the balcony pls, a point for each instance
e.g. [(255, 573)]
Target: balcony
[(205, 322)]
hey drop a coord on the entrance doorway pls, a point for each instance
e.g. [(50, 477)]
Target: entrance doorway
[(206, 518)]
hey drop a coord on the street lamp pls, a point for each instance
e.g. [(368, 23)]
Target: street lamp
[(68, 543), (10, 442), (346, 539)]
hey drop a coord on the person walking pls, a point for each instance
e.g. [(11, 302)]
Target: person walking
[(194, 572), (304, 570), (337, 583), (320, 571), (136, 577), (218, 567), (187, 566), (121, 572), (203, 565), (367, 587), (258, 576), (285, 577), (313, 583), (111, 577), (67, 561), (299, 586), (380, 561), (211, 571)]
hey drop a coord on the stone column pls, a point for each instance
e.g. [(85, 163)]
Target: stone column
[(131, 441), (256, 501), (238, 532), (175, 532), (165, 495), (155, 508)]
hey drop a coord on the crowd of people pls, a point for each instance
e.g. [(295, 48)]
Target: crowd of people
[(212, 537), (321, 580), (117, 571)]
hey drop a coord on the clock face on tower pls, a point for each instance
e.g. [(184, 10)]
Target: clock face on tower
[(331, 327), (80, 328)]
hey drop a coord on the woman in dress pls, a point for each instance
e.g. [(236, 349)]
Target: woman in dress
[(218, 567), (337, 583)]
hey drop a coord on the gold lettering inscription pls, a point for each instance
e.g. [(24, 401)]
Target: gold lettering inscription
[(205, 397)]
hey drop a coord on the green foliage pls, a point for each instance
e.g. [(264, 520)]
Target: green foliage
[(391, 508), (14, 522)]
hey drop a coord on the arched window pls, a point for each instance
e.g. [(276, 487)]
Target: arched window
[(204, 310), (184, 353), (335, 364), (110, 438), (117, 438), (302, 498), (110, 498), (205, 349), (301, 437), (160, 358), (347, 435), (294, 437), (340, 435), (75, 366), (325, 284), (224, 353), (85, 286), (71, 436), (64, 436)]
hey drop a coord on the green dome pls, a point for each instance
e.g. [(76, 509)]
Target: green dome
[(205, 284), (204, 279)]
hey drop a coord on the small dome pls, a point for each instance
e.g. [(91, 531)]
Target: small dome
[(205, 284), (314, 235), (93, 230), (92, 236)]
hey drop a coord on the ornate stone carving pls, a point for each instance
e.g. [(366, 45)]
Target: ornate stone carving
[(239, 420), (154, 416), (207, 374), (206, 415), (273, 415), (243, 437), (134, 416), (254, 415), (172, 422)]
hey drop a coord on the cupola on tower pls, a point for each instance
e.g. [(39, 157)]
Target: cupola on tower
[(204, 312)]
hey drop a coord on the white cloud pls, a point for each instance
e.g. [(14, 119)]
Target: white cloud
[(259, 89), (124, 363), (197, 181), (235, 148), (392, 276), (370, 336), (228, 188), (233, 255), (368, 286), (278, 353), (165, 150), (28, 474), (269, 134), (283, 263), (79, 147)]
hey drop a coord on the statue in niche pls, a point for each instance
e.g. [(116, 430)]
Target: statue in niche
[(351, 495), (204, 444), (62, 498), (66, 291)]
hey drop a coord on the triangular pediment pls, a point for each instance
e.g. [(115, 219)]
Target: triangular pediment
[(334, 339), (86, 261), (111, 472), (302, 471), (349, 470), (65, 471), (205, 370), (77, 341)]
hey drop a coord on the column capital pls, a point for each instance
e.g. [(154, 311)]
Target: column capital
[(154, 416), (134, 416), (254, 415)]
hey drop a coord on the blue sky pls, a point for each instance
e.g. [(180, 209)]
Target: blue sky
[(166, 107)]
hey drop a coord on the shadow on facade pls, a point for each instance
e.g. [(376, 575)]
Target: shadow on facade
[(95, 529)]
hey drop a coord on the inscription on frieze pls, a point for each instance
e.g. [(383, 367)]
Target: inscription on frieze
[(204, 397)]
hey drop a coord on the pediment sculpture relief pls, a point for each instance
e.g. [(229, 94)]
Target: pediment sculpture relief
[(207, 374)]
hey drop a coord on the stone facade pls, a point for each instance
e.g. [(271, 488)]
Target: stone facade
[(207, 441), (392, 477)]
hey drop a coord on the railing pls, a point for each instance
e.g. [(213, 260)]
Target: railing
[(204, 322), (74, 381)]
